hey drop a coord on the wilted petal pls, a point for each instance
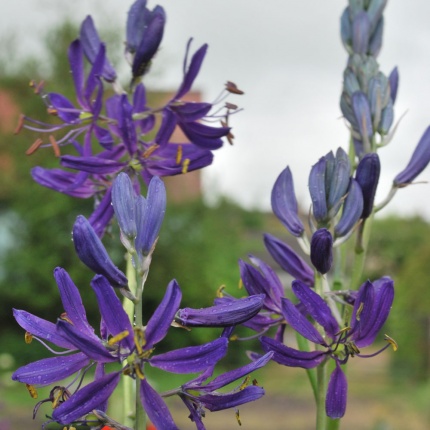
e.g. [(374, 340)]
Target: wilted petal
[(418, 162), (49, 370), (224, 315), (322, 250), (290, 357), (112, 311), (284, 203), (289, 260), (191, 359), (352, 210), (300, 324), (367, 176), (162, 318), (41, 328), (93, 254), (337, 391), (86, 399), (123, 201), (155, 407)]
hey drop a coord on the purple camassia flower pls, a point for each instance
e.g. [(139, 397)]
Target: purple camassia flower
[(118, 341), (121, 126), (371, 308)]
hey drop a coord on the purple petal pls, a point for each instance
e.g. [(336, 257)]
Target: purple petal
[(193, 69), (191, 359), (361, 108), (64, 182), (317, 189), (72, 301), (86, 399), (155, 407), (149, 221), (64, 108), (418, 162), (162, 318), (102, 214), (123, 201), (103, 136), (191, 111), (299, 322), (337, 391), (316, 307), (284, 203), (224, 315), (218, 402), (41, 328), (287, 356), (93, 254), (289, 260), (228, 377), (167, 127), (393, 79), (360, 33), (91, 164), (112, 311), (322, 250), (49, 370), (75, 54), (91, 346), (203, 135)]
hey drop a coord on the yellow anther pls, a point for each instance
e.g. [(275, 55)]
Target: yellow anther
[(245, 383), (185, 165), (138, 371), (28, 337), (238, 417), (118, 338), (240, 284), (359, 311), (343, 330), (65, 317), (179, 155), (57, 398), (233, 337), (32, 390), (150, 150), (391, 341), (219, 291), (139, 340)]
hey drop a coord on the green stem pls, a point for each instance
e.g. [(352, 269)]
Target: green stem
[(303, 345), (321, 423)]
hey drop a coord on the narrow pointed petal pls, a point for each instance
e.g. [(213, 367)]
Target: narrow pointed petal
[(290, 357), (123, 201), (149, 226), (162, 318), (86, 399), (155, 407), (192, 111), (112, 311), (203, 135), (367, 176), (76, 57), (41, 328), (191, 359), (50, 370), (352, 210), (361, 108), (316, 307), (360, 33), (322, 250), (224, 315), (93, 254), (233, 375), (218, 402), (393, 79), (91, 346), (317, 190), (338, 181), (337, 391), (289, 260), (91, 164), (284, 203), (299, 322), (167, 127), (102, 214), (64, 108), (193, 70), (72, 301), (418, 162)]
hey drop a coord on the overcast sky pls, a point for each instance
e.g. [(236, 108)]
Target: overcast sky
[(287, 56)]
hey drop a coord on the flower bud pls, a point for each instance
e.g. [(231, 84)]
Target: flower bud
[(321, 250), (367, 176)]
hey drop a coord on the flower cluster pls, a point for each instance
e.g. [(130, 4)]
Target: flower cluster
[(131, 136)]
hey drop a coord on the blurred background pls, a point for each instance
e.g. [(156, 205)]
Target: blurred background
[(289, 60)]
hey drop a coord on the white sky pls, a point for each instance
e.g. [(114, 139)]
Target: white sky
[(287, 56)]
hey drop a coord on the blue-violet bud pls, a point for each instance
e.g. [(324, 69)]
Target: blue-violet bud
[(322, 250), (367, 176)]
